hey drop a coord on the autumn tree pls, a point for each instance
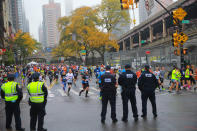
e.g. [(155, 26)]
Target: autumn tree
[(101, 42), (80, 24), (25, 43), (81, 31)]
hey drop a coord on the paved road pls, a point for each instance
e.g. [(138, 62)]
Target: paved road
[(74, 113)]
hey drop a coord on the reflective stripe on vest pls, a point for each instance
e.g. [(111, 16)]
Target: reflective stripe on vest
[(35, 91), (174, 74), (9, 89), (187, 73)]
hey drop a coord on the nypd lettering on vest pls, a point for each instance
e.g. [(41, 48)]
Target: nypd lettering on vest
[(107, 80), (129, 75), (148, 75)]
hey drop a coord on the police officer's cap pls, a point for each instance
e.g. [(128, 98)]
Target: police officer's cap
[(36, 76), (147, 67), (107, 67), (11, 76), (127, 66)]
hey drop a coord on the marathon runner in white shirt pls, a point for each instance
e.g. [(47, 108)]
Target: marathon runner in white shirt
[(70, 78)]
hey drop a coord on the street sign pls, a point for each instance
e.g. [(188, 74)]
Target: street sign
[(147, 52), (143, 41), (48, 49), (179, 13), (182, 38), (83, 51), (185, 21)]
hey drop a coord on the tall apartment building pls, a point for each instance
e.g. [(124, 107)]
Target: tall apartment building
[(40, 32), (148, 8), (51, 14), (68, 7), (19, 20)]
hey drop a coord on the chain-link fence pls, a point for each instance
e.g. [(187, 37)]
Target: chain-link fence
[(159, 56)]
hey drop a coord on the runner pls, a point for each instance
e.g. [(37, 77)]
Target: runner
[(70, 78), (157, 75), (96, 71), (75, 73), (63, 79), (178, 79), (85, 83), (161, 77), (183, 78), (56, 75), (50, 75), (187, 77), (99, 81), (173, 80)]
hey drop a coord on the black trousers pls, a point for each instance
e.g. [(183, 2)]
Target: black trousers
[(129, 95), (13, 109), (151, 96), (111, 97), (37, 113)]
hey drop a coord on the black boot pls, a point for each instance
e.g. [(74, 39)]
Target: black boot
[(20, 129), (43, 129), (114, 120), (124, 119)]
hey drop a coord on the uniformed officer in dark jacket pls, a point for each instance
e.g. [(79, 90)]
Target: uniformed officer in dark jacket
[(38, 99), (128, 82), (147, 84), (108, 88), (12, 95)]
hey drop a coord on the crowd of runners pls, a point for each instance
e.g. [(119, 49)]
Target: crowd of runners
[(179, 79)]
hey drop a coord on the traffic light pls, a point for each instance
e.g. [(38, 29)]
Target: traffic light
[(185, 51), (124, 4), (177, 52), (174, 39)]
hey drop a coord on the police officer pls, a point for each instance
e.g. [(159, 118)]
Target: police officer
[(147, 84), (38, 99), (128, 82), (12, 95), (108, 88)]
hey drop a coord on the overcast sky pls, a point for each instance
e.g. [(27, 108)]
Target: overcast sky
[(34, 11)]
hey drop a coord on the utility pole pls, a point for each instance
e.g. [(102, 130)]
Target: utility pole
[(177, 15)]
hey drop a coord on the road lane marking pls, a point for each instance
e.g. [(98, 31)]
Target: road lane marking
[(74, 92), (91, 93), (49, 92), (93, 88), (62, 92), (51, 95)]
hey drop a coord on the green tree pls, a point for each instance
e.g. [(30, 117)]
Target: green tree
[(111, 15)]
